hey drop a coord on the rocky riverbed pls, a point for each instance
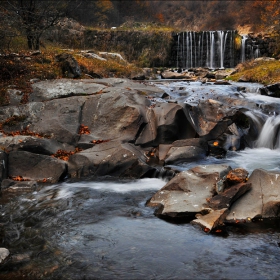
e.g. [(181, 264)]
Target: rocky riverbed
[(125, 129)]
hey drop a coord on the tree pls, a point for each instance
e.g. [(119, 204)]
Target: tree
[(34, 17)]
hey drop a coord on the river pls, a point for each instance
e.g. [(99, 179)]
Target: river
[(101, 229)]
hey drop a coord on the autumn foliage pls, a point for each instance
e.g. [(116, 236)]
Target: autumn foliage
[(64, 155)]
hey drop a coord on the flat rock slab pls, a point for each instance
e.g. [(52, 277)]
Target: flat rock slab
[(189, 190), (61, 88), (33, 144), (262, 201), (226, 198), (211, 220)]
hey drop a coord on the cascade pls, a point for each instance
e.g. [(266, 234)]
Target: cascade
[(269, 136), (268, 130), (243, 47), (212, 49)]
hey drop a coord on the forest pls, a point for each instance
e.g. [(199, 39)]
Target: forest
[(33, 17)]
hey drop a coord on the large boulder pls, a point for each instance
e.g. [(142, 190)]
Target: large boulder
[(107, 158), (115, 115), (186, 150), (59, 119), (35, 167), (188, 192), (262, 201)]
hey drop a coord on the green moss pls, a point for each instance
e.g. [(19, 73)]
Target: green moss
[(264, 72)]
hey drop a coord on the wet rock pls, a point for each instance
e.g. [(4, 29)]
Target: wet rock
[(236, 176), (175, 75), (271, 90), (208, 118), (69, 65), (222, 74), (222, 83), (18, 186), (262, 200), (187, 193), (4, 253), (186, 150), (211, 220), (109, 158), (227, 197), (35, 167)]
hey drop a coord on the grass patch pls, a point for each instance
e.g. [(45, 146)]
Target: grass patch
[(264, 72), (19, 70)]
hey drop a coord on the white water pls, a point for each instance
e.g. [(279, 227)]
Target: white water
[(214, 44), (243, 47)]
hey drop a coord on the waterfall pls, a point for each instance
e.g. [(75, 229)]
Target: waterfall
[(243, 47), (269, 136), (268, 130), (205, 49)]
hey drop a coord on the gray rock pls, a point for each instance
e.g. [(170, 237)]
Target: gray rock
[(187, 193), (48, 90), (227, 197), (36, 167), (211, 220), (4, 253), (109, 158), (33, 144), (69, 65), (59, 119), (115, 115), (18, 186), (186, 150), (262, 200), (15, 96), (167, 123), (186, 154)]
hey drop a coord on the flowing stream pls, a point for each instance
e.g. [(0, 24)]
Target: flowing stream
[(101, 229)]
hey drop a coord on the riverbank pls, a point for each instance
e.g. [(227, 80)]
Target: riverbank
[(20, 70)]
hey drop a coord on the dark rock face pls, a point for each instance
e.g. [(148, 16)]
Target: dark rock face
[(107, 158), (226, 198), (271, 90), (35, 166), (3, 166)]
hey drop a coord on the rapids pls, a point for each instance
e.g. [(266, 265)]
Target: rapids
[(101, 229)]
